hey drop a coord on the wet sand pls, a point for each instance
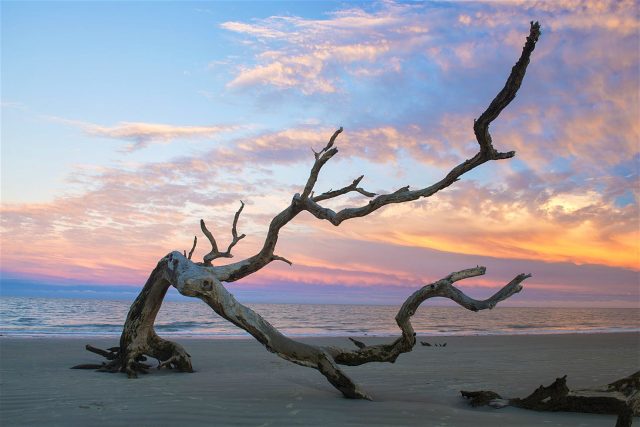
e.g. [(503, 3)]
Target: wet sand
[(237, 382)]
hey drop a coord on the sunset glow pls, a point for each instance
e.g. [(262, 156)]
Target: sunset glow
[(125, 123)]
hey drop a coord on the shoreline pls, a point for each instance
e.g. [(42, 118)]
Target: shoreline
[(246, 336), (238, 382)]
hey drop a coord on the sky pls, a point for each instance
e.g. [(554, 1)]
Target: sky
[(125, 123)]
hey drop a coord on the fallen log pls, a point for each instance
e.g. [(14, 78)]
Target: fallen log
[(621, 398)]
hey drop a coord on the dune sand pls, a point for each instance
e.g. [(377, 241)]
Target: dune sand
[(239, 383)]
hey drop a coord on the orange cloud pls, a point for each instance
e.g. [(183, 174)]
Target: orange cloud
[(565, 228)]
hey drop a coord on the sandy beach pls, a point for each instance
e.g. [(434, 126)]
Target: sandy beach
[(237, 382)]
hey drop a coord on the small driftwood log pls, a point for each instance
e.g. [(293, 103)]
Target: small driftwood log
[(621, 398), (204, 280), (426, 344)]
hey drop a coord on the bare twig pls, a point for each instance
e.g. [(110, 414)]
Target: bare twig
[(352, 187), (280, 258), (321, 158), (215, 253), (193, 248)]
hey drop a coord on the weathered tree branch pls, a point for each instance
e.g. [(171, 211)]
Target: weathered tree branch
[(406, 342), (303, 202), (504, 97)]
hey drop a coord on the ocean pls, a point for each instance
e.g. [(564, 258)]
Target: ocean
[(20, 316)]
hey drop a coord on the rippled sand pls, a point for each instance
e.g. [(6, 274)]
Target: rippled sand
[(239, 383)]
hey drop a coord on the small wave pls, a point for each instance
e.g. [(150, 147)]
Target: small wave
[(526, 326), (97, 326), (27, 321), (22, 316), (177, 326)]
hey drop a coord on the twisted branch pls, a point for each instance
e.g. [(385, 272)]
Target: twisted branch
[(441, 288)]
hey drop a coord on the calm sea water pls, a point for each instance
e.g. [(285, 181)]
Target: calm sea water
[(78, 317)]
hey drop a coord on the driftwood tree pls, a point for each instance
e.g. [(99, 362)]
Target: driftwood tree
[(205, 280)]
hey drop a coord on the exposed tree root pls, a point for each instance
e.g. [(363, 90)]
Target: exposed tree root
[(139, 339), (176, 358), (620, 398)]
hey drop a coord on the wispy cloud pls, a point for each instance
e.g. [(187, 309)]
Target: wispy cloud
[(312, 48), (142, 134)]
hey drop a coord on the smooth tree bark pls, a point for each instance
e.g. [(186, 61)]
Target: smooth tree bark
[(204, 280)]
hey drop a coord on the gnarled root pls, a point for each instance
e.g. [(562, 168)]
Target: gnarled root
[(170, 355), (138, 337)]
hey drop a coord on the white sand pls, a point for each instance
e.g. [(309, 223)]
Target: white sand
[(239, 383)]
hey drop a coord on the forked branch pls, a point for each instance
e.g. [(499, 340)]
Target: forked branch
[(215, 252), (322, 157)]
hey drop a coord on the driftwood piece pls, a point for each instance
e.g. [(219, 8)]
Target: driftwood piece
[(621, 398), (205, 280), (426, 344)]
